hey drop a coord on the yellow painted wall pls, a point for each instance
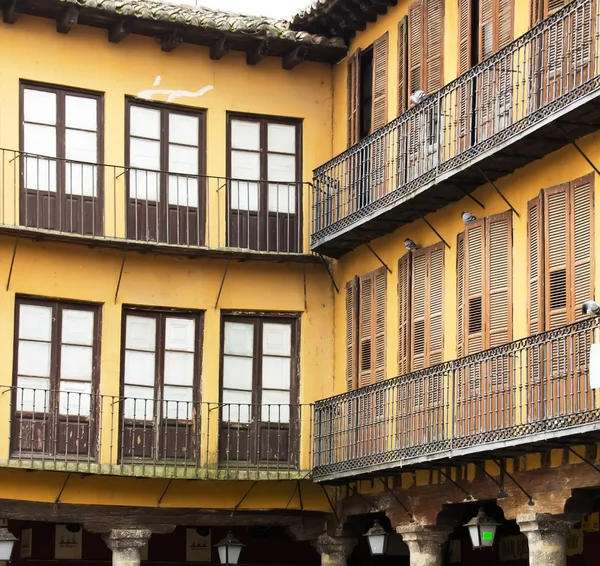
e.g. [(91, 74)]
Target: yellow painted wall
[(523, 185)]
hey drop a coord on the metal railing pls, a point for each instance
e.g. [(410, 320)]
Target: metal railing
[(104, 434), (107, 202), (542, 72), (533, 388)]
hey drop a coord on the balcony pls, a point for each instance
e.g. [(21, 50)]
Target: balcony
[(526, 101), (144, 210), (520, 397), (124, 436)]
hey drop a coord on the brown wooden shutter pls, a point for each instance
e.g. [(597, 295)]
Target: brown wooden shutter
[(404, 316), (504, 18), (434, 45), (536, 9), (474, 287), (495, 26), (415, 45), (486, 28), (464, 36), (379, 322), (402, 65), (556, 256), (436, 304), (380, 65), (351, 333), (419, 309), (582, 226), (498, 274), (552, 6), (365, 330), (460, 295), (535, 263), (353, 98)]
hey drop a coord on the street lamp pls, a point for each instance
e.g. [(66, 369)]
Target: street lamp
[(378, 539), (7, 542), (229, 550), (482, 530)]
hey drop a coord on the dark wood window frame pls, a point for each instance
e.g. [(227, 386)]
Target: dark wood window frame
[(257, 238), (142, 229), (51, 422), (232, 432), (59, 219), (157, 440)]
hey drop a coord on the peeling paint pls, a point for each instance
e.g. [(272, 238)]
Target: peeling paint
[(173, 94)]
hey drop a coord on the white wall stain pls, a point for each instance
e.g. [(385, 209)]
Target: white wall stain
[(172, 94)]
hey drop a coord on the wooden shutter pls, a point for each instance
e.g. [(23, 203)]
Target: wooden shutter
[(434, 45), (351, 333), (495, 26), (379, 323), (536, 9), (498, 275), (535, 263), (474, 287), (464, 36), (353, 98), (436, 304), (486, 28), (460, 295), (404, 316), (504, 23), (419, 308), (552, 6), (402, 65), (582, 226), (380, 65), (556, 256), (415, 45)]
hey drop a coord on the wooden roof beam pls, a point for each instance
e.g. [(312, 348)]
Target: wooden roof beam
[(353, 20), (254, 56), (119, 31), (294, 58), (67, 20), (387, 3), (172, 40), (12, 10), (220, 48)]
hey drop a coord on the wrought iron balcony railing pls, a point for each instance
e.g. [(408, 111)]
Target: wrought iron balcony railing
[(112, 203), (522, 392), (68, 430), (521, 87)]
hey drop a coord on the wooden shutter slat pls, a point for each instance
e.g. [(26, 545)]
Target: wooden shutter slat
[(380, 65), (504, 18), (474, 281), (486, 28), (436, 305), (351, 336), (415, 44), (460, 295), (464, 36), (434, 45), (379, 323), (535, 262), (404, 316), (498, 310), (536, 9), (353, 98), (402, 65), (582, 225)]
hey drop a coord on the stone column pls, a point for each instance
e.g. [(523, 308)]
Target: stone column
[(126, 544), (425, 543), (334, 551), (547, 538)]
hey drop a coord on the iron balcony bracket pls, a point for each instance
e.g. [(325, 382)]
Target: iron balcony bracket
[(431, 226), (502, 466), (476, 201), (501, 493), (120, 275), (576, 146), (387, 487), (222, 282), (377, 256), (12, 263), (331, 505), (584, 459), (488, 180), (329, 273), (468, 497)]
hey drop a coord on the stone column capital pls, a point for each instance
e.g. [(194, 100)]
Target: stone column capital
[(543, 524), (126, 539), (547, 538), (334, 546), (424, 543)]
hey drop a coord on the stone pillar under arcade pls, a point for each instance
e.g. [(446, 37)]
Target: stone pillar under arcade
[(334, 551), (547, 538), (126, 545), (424, 543)]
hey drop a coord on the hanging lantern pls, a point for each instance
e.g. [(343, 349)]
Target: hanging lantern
[(378, 539), (7, 542), (229, 550), (482, 530)]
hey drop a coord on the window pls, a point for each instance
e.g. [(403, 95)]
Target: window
[(56, 375), (484, 284), (561, 250), (265, 190), (367, 90), (61, 136), (259, 373), (366, 329), (166, 149), (420, 308), (160, 383)]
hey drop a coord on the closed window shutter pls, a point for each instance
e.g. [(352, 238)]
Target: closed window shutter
[(495, 26), (552, 6), (505, 25), (498, 307), (415, 45), (402, 65), (436, 305), (353, 97), (464, 36), (474, 287), (556, 256), (535, 262), (404, 316), (419, 308), (380, 65), (351, 333), (460, 295), (434, 45), (486, 28), (536, 8), (582, 199), (379, 322)]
